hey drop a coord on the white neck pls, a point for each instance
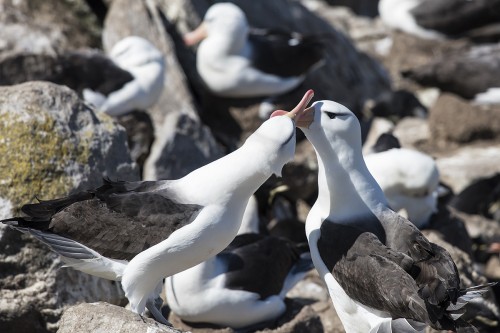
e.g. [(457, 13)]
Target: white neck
[(234, 177), (344, 182)]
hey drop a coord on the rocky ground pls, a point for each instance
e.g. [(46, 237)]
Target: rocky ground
[(53, 144)]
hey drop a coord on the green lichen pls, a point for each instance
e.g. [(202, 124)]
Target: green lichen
[(35, 158)]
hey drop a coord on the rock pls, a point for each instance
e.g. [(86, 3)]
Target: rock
[(102, 317), (140, 134), (456, 120), (480, 65), (360, 7), (52, 145), (47, 26), (412, 131), (182, 145)]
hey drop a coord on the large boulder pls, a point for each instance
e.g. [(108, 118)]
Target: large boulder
[(102, 317), (52, 144), (456, 120)]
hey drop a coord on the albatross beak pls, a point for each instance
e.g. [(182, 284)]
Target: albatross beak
[(306, 118), (197, 35), (297, 112)]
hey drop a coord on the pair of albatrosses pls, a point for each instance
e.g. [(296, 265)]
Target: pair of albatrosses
[(383, 275)]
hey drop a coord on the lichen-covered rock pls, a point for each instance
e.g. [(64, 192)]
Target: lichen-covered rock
[(102, 317), (51, 145)]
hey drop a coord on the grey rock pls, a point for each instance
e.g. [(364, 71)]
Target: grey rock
[(459, 167), (102, 317), (182, 145), (46, 26), (454, 119), (52, 145)]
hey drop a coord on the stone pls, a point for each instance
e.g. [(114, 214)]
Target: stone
[(103, 317), (459, 167), (182, 145), (52, 145), (454, 119), (412, 131), (47, 27)]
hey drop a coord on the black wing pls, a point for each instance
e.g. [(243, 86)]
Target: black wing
[(118, 220)]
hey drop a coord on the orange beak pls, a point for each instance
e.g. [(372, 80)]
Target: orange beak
[(297, 114), (197, 35)]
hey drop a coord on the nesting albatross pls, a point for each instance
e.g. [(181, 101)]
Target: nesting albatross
[(245, 284), (235, 62), (146, 65), (382, 274), (141, 232)]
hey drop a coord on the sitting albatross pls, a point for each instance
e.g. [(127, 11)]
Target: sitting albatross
[(146, 66), (233, 61), (382, 274), (245, 284), (141, 232)]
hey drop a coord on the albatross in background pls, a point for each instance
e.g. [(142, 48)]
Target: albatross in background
[(245, 284), (146, 65), (142, 232), (233, 62), (435, 19), (410, 181), (382, 274)]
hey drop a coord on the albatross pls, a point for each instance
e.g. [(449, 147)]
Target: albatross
[(245, 284), (146, 66), (141, 232), (234, 61), (382, 274), (436, 19)]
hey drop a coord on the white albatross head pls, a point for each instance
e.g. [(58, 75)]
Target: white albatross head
[(345, 186), (330, 126), (134, 51), (275, 138), (224, 21)]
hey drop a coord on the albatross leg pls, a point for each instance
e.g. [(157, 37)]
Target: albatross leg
[(151, 306)]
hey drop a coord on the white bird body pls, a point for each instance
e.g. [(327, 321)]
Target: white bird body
[(396, 14), (223, 57), (147, 66), (207, 294), (410, 181)]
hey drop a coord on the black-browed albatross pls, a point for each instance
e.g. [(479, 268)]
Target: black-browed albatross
[(243, 286), (382, 274), (235, 61), (141, 232)]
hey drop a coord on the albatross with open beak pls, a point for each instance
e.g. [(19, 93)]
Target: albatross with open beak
[(141, 232)]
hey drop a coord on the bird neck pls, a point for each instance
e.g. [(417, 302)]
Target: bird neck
[(345, 186), (234, 177)]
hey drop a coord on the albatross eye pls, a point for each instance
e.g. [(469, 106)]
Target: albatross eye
[(332, 115)]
